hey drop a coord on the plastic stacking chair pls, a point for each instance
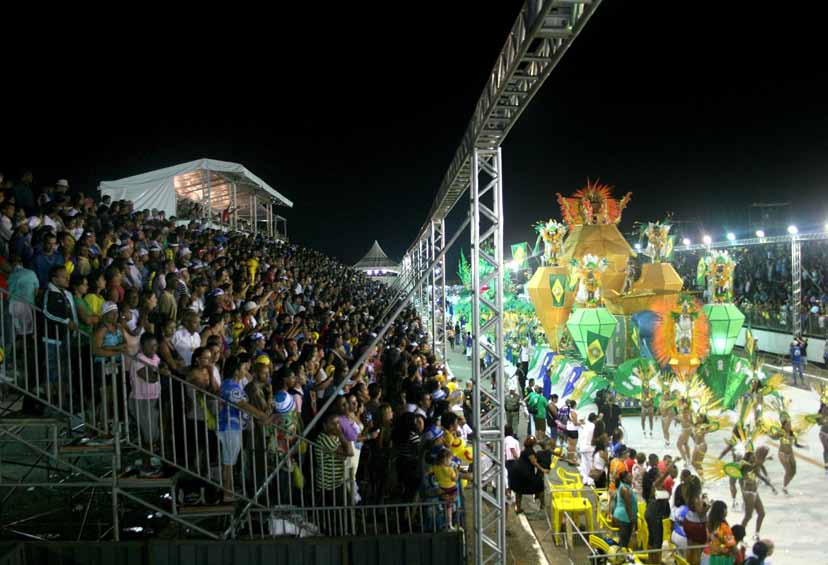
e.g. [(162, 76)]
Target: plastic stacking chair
[(564, 500), (680, 560), (643, 533), (573, 480), (600, 544), (667, 529)]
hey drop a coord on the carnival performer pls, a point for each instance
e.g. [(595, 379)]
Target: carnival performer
[(647, 410), (686, 420), (668, 414), (701, 428), (734, 447), (753, 468), (787, 441), (823, 433), (757, 398)]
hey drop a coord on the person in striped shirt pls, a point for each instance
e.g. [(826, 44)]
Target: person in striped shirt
[(330, 452)]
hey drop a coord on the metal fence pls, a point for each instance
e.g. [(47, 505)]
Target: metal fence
[(293, 486)]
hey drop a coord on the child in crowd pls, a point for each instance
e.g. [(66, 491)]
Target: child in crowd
[(446, 476)]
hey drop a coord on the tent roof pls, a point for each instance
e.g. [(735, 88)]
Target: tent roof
[(227, 171), (376, 259)]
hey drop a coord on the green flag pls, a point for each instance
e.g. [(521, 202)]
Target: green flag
[(557, 286), (520, 255), (596, 350)]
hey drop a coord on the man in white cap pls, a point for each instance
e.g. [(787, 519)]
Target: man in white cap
[(62, 185)]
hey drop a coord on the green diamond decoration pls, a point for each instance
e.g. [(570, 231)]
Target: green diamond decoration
[(725, 323), (594, 352), (556, 284), (585, 321)]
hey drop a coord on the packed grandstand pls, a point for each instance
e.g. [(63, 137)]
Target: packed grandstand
[(223, 348)]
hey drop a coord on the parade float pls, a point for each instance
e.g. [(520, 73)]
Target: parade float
[(614, 323)]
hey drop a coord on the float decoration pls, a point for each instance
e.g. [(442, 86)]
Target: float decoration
[(586, 273), (680, 335), (552, 233), (718, 267), (659, 243)]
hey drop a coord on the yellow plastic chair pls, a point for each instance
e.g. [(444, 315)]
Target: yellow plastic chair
[(598, 543), (563, 500), (667, 529), (571, 479), (643, 533), (680, 560)]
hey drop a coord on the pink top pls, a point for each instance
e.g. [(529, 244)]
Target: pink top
[(141, 389)]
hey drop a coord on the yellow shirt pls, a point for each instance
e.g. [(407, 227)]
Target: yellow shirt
[(94, 302), (446, 476)]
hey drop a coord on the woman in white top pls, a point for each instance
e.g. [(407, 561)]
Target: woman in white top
[(511, 449), (572, 426)]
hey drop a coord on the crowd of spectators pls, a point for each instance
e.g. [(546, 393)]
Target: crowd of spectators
[(762, 284), (640, 487), (271, 327)]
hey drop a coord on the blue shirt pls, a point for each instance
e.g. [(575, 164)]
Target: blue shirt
[(43, 264), (23, 284), (796, 354), (229, 416)]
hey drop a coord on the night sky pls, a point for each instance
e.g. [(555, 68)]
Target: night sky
[(354, 114)]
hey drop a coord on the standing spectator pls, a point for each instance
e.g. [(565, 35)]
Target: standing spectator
[(512, 407), (145, 372), (625, 511), (230, 421), (330, 452), (187, 339), (48, 258), (796, 360)]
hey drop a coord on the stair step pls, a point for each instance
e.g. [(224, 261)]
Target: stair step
[(31, 421), (207, 510), (138, 482), (85, 449)]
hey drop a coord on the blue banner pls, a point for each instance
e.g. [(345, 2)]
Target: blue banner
[(543, 374), (572, 381)]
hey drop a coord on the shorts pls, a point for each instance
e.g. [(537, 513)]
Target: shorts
[(146, 415), (231, 443), (572, 434)]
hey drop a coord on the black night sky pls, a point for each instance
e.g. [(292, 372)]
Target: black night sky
[(354, 112)]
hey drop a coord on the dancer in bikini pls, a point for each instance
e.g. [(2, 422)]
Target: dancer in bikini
[(647, 410), (753, 468), (686, 419), (822, 420), (700, 430), (734, 446), (787, 441), (757, 398), (665, 409)]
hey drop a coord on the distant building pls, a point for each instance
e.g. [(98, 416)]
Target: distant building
[(377, 264)]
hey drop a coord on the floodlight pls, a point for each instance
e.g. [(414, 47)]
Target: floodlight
[(793, 230), (686, 241), (731, 236), (760, 233), (707, 240)]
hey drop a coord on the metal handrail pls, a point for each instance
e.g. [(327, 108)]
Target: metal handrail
[(192, 445)]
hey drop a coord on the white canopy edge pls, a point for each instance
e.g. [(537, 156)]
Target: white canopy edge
[(156, 189)]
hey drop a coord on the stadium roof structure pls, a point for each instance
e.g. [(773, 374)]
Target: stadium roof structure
[(377, 262)]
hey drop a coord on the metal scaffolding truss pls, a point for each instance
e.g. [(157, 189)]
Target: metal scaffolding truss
[(486, 214), (796, 283), (541, 34), (438, 288)]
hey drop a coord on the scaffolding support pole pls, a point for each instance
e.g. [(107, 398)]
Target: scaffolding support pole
[(796, 283), (487, 320)]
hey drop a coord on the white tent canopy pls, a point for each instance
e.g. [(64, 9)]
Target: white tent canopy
[(200, 187), (376, 262)]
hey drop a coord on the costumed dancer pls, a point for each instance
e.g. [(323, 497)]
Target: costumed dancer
[(700, 430), (787, 440), (823, 433), (734, 446), (686, 420), (757, 397), (753, 467), (668, 414), (647, 409)]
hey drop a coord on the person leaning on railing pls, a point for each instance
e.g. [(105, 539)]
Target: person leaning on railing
[(107, 347), (330, 452)]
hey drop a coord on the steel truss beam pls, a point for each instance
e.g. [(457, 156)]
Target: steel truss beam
[(438, 289), (486, 214), (540, 36)]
